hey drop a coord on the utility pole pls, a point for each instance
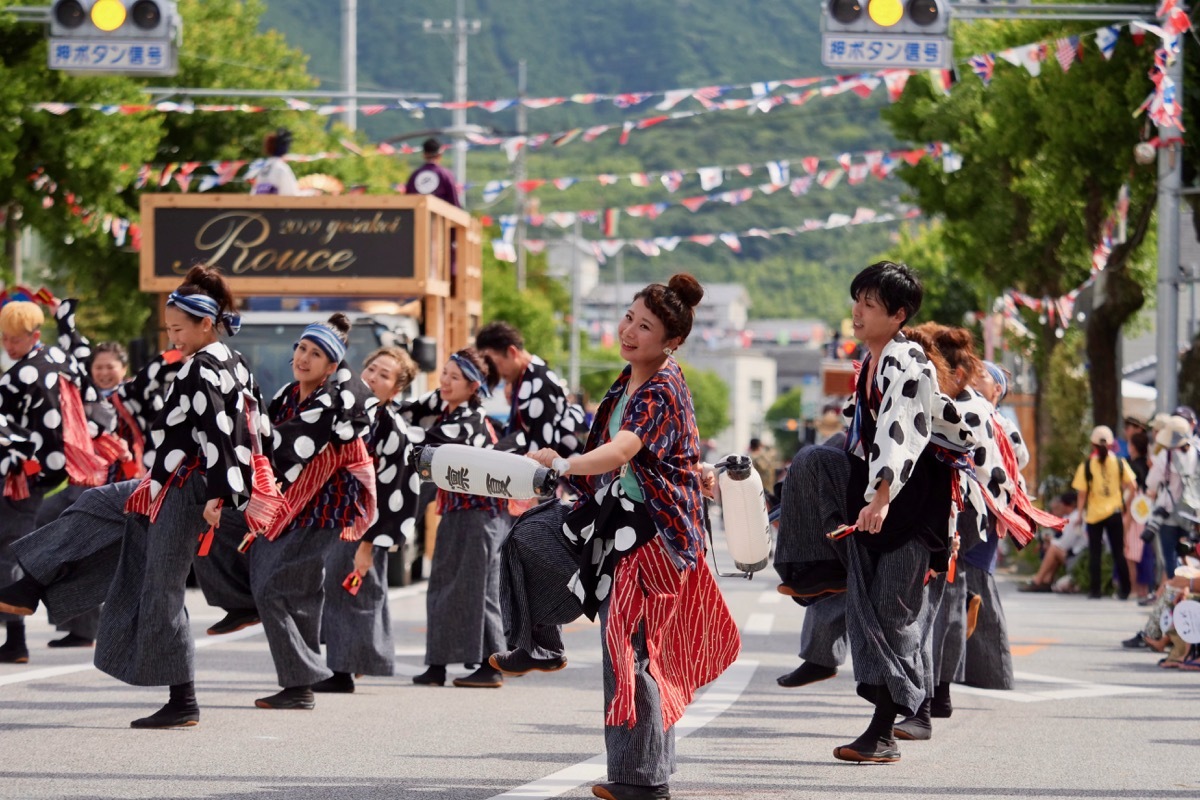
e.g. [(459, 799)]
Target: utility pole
[(350, 61), (1170, 181), (460, 27), (576, 242), (519, 176), (618, 268)]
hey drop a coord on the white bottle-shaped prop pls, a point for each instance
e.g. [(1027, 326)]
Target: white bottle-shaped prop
[(744, 510), (491, 473)]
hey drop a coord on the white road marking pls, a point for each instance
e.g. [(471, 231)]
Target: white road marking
[(54, 672), (719, 696), (759, 624), (1070, 689), (770, 598)]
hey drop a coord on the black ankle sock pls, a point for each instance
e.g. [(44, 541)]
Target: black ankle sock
[(884, 719), (183, 694), (16, 634)]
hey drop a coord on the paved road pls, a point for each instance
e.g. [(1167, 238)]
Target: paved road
[(1089, 720)]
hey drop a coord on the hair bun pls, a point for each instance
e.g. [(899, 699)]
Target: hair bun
[(687, 288), (340, 323)]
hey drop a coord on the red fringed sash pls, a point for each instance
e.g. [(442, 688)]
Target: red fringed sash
[(690, 635), (354, 458)]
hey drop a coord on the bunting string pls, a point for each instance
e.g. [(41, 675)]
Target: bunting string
[(505, 250)]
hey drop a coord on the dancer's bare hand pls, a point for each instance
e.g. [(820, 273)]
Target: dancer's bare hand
[(212, 513)]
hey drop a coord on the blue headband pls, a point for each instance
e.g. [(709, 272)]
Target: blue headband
[(999, 377), (472, 373), (325, 338), (201, 305)]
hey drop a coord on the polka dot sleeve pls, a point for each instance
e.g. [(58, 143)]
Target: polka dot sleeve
[(906, 381), (204, 416)]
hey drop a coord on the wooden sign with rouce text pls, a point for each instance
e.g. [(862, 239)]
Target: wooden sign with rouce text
[(267, 244)]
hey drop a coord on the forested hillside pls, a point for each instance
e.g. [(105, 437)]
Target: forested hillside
[(627, 46)]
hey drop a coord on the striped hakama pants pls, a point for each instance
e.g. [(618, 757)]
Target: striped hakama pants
[(18, 518), (950, 628), (75, 557), (144, 637), (885, 604), (287, 578), (463, 601), (87, 623), (537, 564), (224, 574), (644, 754), (823, 639), (988, 662), (357, 628)]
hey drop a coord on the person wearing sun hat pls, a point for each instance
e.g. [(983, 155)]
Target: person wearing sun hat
[(1172, 475), (1102, 480)]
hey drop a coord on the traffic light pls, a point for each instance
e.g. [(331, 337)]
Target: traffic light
[(923, 17), (886, 33), (137, 37)]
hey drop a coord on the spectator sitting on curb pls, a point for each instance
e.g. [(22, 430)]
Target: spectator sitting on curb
[(1066, 543)]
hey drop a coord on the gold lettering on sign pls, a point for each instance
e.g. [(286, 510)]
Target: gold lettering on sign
[(242, 231), (233, 240)]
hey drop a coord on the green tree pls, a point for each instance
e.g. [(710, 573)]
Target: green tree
[(78, 161), (710, 397), (785, 409), (1043, 160), (1066, 397)]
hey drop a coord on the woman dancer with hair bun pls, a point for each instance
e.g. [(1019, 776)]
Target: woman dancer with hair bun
[(355, 623), (639, 527), (328, 480), (201, 461), (463, 603)]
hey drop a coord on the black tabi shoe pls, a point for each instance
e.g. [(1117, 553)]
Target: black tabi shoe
[(519, 662), (172, 715), (235, 620), (21, 598), (482, 678), (435, 675), (11, 653), (298, 698), (881, 752), (629, 791), (340, 683), (72, 640), (805, 674)]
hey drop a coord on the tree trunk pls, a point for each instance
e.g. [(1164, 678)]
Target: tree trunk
[(1123, 298), (1045, 425)]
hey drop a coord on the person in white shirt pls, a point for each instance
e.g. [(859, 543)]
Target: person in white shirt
[(275, 176), (1073, 537)]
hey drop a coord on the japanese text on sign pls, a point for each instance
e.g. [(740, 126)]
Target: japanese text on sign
[(882, 52), (107, 56)]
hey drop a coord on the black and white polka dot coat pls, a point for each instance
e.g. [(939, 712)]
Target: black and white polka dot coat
[(204, 415), (912, 413), (398, 486), (541, 416), (338, 412), (30, 402)]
